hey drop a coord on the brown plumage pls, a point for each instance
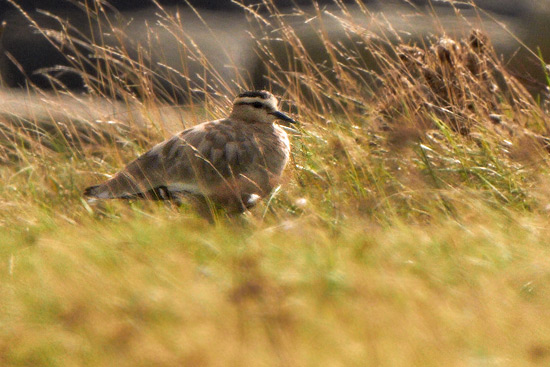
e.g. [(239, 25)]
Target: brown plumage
[(230, 162)]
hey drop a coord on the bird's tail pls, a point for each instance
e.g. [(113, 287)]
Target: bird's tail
[(100, 192), (93, 191), (119, 187)]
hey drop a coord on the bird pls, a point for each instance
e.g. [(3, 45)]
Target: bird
[(231, 163)]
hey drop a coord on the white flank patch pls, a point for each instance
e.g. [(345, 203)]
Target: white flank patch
[(253, 199)]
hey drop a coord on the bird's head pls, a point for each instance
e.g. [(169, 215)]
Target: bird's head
[(257, 107)]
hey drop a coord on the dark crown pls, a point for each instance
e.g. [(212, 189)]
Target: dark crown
[(252, 94)]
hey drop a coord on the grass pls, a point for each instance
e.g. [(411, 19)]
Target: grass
[(411, 227)]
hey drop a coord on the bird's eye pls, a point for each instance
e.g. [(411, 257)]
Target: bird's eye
[(257, 104)]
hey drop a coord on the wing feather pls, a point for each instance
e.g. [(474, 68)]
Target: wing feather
[(196, 160)]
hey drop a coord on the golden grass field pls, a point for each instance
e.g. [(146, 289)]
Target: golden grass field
[(412, 227)]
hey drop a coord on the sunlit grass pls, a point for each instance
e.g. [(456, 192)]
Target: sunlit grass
[(410, 229)]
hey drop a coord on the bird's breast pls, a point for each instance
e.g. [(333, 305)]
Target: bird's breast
[(274, 146)]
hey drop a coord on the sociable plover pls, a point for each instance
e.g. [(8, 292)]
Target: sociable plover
[(232, 162)]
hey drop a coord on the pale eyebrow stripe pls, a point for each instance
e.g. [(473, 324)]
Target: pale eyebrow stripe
[(249, 100)]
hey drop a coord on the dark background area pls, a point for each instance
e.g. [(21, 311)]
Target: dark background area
[(35, 53)]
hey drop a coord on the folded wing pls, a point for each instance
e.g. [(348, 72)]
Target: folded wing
[(212, 159)]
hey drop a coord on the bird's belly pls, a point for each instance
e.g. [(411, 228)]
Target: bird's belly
[(184, 187)]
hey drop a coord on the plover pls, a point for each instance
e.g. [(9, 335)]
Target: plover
[(232, 162)]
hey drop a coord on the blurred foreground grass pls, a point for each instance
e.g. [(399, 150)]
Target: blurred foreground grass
[(160, 288), (411, 230)]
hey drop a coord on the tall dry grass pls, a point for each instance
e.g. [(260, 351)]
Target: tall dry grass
[(411, 227)]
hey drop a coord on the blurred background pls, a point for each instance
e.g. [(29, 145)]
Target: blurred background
[(188, 48)]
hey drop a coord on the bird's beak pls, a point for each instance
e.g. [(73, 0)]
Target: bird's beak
[(282, 116)]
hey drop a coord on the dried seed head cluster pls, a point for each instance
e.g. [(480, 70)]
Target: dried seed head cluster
[(456, 82)]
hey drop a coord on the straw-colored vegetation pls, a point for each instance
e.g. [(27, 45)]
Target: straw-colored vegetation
[(412, 227)]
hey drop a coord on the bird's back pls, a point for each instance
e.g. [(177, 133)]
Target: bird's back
[(219, 159)]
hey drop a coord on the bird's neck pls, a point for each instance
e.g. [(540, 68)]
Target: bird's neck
[(246, 121)]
